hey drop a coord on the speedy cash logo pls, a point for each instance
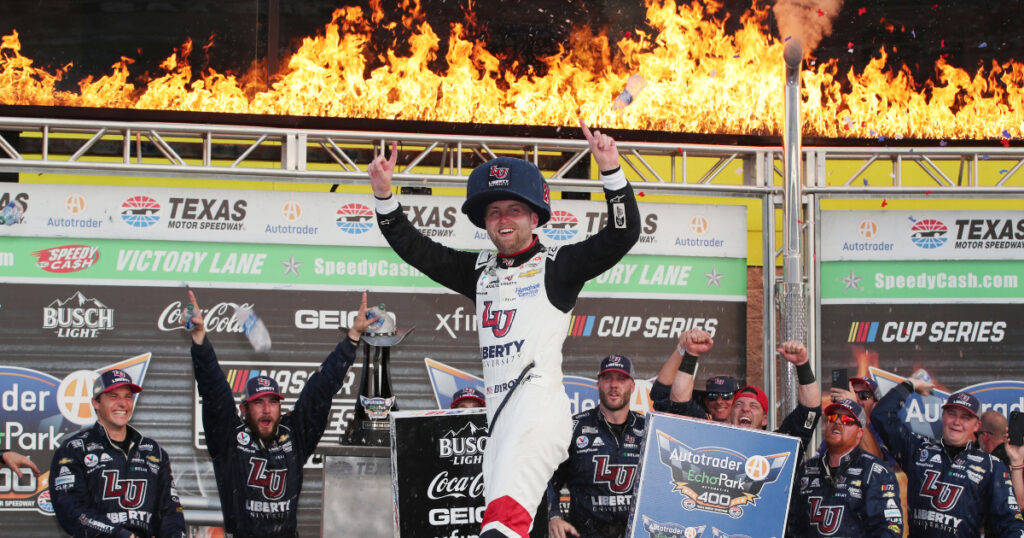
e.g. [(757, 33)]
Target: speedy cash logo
[(207, 214), (140, 211), (67, 258), (717, 479), (432, 221), (562, 226), (354, 219)]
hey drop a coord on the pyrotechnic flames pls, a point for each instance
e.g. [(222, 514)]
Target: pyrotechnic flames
[(700, 79)]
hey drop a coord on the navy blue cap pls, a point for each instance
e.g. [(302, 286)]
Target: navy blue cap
[(616, 363), (506, 178), (468, 393), (261, 386), (871, 383), (722, 383), (112, 379), (852, 407), (965, 400)]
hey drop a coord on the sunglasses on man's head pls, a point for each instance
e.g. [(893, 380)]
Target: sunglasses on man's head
[(865, 394), (719, 395), (845, 420)]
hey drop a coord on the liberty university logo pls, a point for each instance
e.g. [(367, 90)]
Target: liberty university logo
[(130, 494), (270, 483)]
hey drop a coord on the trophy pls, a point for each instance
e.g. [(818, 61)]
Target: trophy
[(370, 425)]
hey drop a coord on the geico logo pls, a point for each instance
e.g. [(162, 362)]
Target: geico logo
[(456, 516), (207, 209), (461, 446), (78, 317), (219, 318), (425, 216), (981, 229), (653, 327), (596, 221), (944, 331), (329, 319)]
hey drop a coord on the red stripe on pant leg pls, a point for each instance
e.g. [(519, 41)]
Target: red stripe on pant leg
[(510, 513)]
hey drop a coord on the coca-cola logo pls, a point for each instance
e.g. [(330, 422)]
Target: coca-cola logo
[(220, 318), (443, 486)]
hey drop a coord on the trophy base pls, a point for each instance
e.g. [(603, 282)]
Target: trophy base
[(367, 433)]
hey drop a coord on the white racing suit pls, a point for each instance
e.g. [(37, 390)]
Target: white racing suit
[(523, 306)]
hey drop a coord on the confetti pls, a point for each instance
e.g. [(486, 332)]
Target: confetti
[(913, 34), (849, 44), (1003, 171), (1006, 134), (788, 38), (871, 132), (628, 35), (821, 13), (713, 73), (862, 11), (680, 150), (881, 138), (736, 56), (983, 45), (866, 182), (800, 222), (1005, 142), (926, 193), (942, 143), (935, 6), (911, 150), (985, 157), (912, 219), (641, 194), (884, 203), (942, 44)]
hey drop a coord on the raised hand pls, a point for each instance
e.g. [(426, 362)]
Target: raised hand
[(361, 322), (199, 326), (794, 352), (696, 342), (602, 147), (381, 170)]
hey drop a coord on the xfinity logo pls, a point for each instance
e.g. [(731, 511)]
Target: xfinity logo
[(78, 317), (461, 320)]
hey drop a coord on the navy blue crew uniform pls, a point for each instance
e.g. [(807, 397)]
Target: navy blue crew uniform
[(259, 484), (951, 491), (599, 474), (99, 490), (860, 497)]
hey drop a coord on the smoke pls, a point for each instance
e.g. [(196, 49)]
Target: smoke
[(807, 20)]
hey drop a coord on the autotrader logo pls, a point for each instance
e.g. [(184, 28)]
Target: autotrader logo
[(140, 211), (698, 225), (867, 228), (928, 233), (354, 218), (562, 226)]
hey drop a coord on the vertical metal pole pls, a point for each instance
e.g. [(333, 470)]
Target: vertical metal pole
[(792, 296), (768, 280)]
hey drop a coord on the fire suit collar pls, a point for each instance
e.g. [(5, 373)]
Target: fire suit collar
[(630, 420), (521, 257), (132, 435)]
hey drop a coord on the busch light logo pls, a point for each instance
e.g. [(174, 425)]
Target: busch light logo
[(498, 177), (561, 227), (928, 233), (354, 219), (717, 479), (464, 446), (140, 211), (78, 317)]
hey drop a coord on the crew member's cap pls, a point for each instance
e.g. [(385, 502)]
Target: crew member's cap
[(261, 386), (852, 407), (468, 393), (757, 394), (871, 383), (965, 400), (722, 383), (616, 363), (112, 379)]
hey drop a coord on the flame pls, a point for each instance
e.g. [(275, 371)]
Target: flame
[(699, 79)]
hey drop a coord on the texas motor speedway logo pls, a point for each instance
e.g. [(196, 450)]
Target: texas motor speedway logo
[(717, 479)]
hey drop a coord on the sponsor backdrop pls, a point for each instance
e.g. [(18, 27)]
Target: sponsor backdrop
[(939, 290), (95, 278), (700, 478)]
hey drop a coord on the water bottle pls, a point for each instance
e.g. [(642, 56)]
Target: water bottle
[(922, 375), (634, 85), (189, 312), (11, 213), (381, 324), (254, 329)]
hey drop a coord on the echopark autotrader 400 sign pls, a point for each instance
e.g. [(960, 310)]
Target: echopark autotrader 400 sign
[(701, 478)]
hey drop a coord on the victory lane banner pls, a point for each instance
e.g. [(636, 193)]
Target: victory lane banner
[(700, 478), (437, 471)]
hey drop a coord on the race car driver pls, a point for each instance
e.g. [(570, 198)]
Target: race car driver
[(110, 480), (524, 294), (603, 458), (258, 458), (846, 492), (954, 488)]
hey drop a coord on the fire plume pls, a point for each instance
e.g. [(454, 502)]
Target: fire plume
[(699, 79)]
